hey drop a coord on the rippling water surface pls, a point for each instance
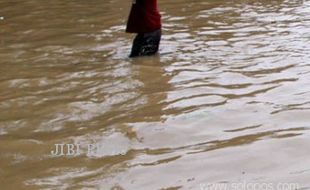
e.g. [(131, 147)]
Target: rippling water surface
[(226, 101)]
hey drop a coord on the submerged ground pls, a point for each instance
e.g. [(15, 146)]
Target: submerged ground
[(226, 101)]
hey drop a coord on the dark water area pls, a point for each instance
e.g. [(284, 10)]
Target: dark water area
[(226, 101)]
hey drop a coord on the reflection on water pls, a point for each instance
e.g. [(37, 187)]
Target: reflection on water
[(227, 99)]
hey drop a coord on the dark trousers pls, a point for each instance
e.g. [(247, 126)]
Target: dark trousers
[(146, 44)]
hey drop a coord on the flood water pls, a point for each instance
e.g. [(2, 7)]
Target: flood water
[(226, 101)]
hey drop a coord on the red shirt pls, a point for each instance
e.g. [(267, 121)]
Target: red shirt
[(144, 17)]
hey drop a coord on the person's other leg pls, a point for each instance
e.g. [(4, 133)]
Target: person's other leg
[(137, 45)]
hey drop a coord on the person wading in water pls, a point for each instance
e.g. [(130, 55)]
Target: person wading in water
[(145, 20)]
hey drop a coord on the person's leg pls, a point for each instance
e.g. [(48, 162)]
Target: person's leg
[(151, 43), (146, 44)]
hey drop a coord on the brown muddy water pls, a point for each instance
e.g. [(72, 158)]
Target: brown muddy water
[(227, 100)]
